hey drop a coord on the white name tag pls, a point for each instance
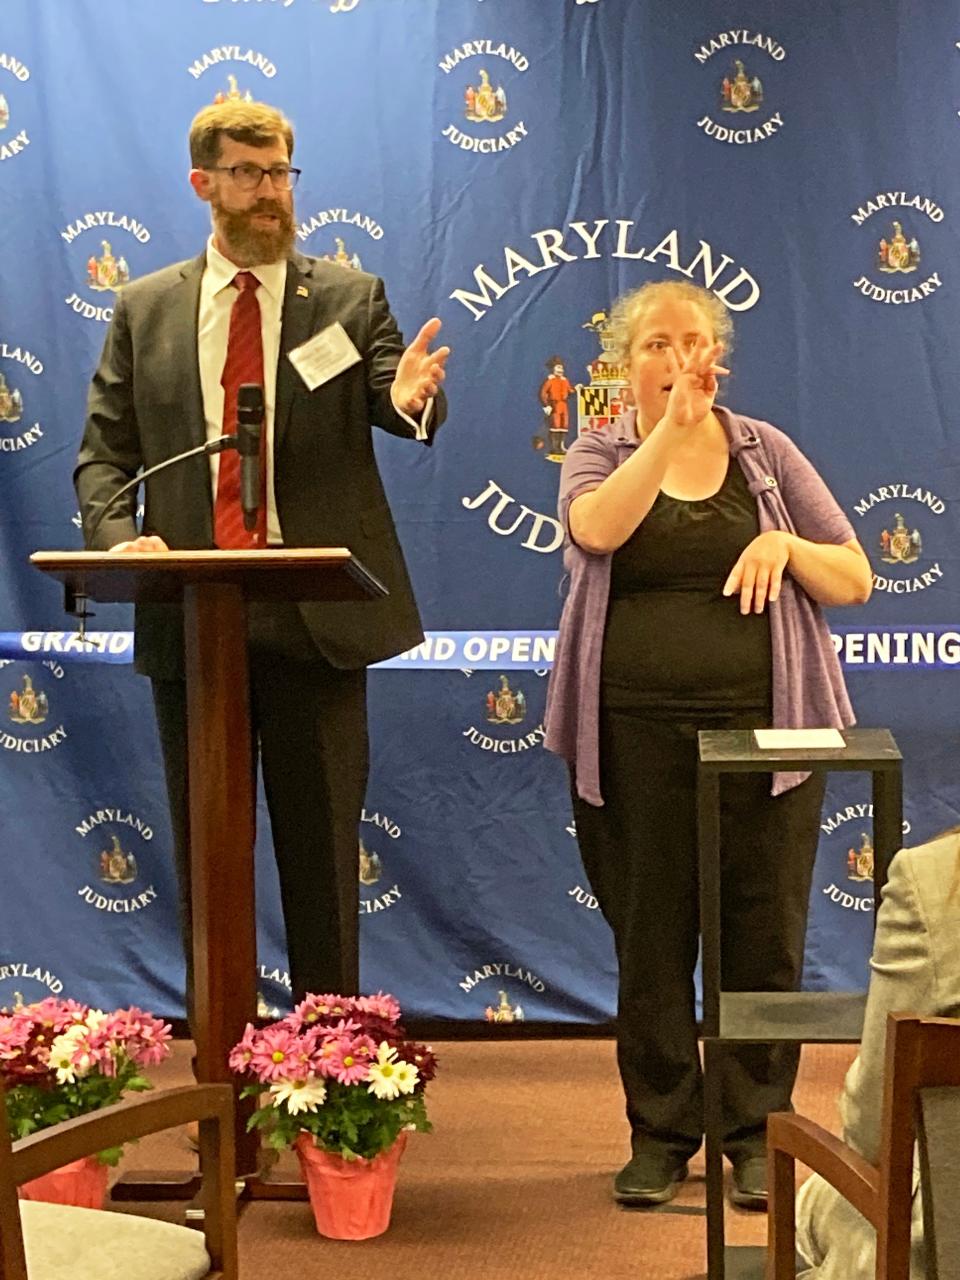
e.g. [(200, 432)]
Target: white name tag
[(324, 355), (797, 739)]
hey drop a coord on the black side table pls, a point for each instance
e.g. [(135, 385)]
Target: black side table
[(759, 1017)]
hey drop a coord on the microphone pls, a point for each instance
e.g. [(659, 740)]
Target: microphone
[(250, 414), (217, 445)]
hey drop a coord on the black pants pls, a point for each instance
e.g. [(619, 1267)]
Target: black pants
[(309, 722), (640, 854)]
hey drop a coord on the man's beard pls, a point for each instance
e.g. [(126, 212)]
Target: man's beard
[(250, 245)]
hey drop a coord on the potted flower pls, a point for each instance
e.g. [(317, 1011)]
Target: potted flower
[(343, 1086), (60, 1059)]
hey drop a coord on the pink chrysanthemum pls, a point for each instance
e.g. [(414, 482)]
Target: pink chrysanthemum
[(319, 1010), (343, 1029), (325, 1055), (276, 1056), (242, 1052), (351, 1058), (380, 1006), (145, 1039), (14, 1034), (55, 1015)]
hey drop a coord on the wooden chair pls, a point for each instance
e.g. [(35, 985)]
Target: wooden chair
[(921, 1099), (41, 1241)]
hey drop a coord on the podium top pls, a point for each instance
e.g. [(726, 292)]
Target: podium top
[(736, 750), (275, 573)]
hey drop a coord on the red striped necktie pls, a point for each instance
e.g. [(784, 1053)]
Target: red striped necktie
[(244, 363)]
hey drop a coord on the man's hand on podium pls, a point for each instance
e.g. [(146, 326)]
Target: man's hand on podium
[(144, 543)]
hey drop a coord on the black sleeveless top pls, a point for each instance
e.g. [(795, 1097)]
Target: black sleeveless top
[(673, 645)]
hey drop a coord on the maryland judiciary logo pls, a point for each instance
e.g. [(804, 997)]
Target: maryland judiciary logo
[(341, 235), (850, 856), (506, 729), (29, 705), (900, 523), (377, 857), (105, 268), (510, 988), (17, 432), (896, 250), (228, 84), (13, 141), (23, 982), (484, 72), (116, 847), (736, 59), (30, 725)]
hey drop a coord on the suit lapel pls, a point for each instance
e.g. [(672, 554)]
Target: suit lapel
[(300, 302), (184, 357)]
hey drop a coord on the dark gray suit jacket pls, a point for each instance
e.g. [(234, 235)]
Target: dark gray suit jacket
[(145, 405)]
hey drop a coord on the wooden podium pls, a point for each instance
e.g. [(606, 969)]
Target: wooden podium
[(214, 587)]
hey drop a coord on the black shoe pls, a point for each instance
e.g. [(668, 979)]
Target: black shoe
[(750, 1183), (651, 1177)]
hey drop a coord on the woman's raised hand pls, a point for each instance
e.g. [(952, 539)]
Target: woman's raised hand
[(695, 384)]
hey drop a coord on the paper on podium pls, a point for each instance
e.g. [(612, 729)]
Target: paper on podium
[(798, 739)]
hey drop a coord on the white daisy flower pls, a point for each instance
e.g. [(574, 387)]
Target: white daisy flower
[(61, 1059), (298, 1095), (390, 1078), (406, 1076)]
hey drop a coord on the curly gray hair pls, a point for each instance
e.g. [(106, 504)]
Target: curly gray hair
[(629, 307)]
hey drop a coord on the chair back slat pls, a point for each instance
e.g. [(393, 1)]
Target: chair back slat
[(939, 1137), (920, 1053)]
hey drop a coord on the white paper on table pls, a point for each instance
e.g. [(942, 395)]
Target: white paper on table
[(797, 739)]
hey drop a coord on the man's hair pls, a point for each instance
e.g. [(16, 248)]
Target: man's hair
[(253, 123)]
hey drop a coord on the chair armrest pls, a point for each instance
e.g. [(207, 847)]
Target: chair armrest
[(123, 1122), (855, 1178)]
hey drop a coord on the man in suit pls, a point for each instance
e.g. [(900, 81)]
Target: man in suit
[(249, 309)]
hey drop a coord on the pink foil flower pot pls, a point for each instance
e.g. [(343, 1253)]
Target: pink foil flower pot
[(82, 1183), (351, 1199)]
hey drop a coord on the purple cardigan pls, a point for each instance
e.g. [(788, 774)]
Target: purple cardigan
[(808, 687)]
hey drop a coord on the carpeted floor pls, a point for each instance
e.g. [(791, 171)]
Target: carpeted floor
[(514, 1182)]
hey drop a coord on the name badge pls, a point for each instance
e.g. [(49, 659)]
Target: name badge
[(324, 355)]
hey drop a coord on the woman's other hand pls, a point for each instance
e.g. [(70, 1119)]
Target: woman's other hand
[(758, 573)]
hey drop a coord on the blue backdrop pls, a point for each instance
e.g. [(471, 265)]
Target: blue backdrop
[(510, 165)]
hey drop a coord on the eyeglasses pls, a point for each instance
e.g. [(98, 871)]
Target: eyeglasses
[(249, 176)]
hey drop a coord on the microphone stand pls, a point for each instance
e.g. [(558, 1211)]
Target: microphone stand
[(75, 602)]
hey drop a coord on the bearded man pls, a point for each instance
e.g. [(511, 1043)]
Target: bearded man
[(252, 309)]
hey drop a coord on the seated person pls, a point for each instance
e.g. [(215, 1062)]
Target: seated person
[(915, 968)]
